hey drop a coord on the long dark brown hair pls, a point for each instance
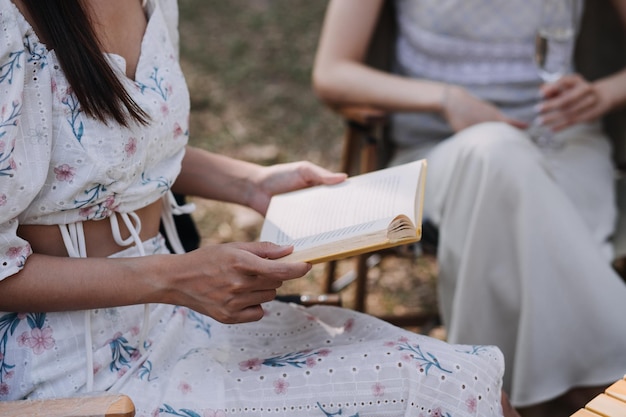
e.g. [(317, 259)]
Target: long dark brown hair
[(65, 27)]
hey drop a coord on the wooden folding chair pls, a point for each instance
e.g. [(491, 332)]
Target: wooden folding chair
[(366, 148), (611, 403)]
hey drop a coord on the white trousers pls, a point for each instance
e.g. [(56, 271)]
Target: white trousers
[(525, 255)]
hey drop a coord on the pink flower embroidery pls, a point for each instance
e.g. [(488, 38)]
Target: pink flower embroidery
[(3, 199), (178, 131), (323, 352), (348, 325), (131, 147), (310, 362), (184, 387), (378, 390), (135, 355), (86, 212), (280, 386), (471, 404), (14, 252), (22, 339), (4, 389), (251, 364), (40, 340), (64, 173), (109, 202), (165, 110)]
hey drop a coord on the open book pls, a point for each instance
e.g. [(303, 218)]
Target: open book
[(367, 212)]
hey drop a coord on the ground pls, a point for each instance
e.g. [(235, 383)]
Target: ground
[(248, 65)]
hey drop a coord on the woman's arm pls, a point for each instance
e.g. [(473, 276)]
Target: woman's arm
[(218, 177), (227, 282), (340, 76)]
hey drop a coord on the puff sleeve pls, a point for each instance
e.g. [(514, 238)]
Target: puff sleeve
[(25, 109)]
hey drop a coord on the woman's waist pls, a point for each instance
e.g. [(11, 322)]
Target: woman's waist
[(102, 238)]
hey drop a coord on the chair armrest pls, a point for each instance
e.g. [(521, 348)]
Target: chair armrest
[(364, 115), (105, 405)]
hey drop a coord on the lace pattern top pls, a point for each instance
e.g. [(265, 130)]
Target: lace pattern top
[(59, 166), (484, 45)]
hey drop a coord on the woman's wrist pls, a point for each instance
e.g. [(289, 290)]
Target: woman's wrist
[(445, 98)]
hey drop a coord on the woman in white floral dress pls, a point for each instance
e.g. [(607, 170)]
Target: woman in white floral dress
[(93, 139)]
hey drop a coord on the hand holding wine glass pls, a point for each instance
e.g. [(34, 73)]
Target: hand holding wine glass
[(554, 46)]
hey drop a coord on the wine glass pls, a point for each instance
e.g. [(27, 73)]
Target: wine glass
[(554, 47)]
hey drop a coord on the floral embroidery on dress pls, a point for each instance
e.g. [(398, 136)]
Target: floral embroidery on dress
[(38, 338), (163, 90), (96, 211), (122, 354), (73, 106), (7, 164), (64, 172), (413, 352), (280, 386), (131, 146), (8, 69), (301, 359), (145, 371), (19, 254), (38, 52), (183, 412)]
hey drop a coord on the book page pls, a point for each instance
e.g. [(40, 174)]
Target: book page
[(359, 200)]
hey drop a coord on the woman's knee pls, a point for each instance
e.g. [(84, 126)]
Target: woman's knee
[(497, 144)]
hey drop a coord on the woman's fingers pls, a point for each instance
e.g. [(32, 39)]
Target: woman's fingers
[(569, 101)]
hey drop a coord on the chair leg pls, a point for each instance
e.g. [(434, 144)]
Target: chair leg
[(361, 283), (329, 276)]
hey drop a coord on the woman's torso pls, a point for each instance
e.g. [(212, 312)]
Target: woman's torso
[(59, 166), (487, 46)]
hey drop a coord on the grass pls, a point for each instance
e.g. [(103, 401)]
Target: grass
[(248, 65)]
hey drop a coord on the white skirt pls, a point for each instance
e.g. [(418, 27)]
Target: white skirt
[(317, 361), (525, 255)]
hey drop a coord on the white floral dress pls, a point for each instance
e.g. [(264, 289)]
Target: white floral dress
[(58, 166)]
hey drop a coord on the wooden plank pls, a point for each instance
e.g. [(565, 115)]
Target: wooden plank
[(618, 390), (585, 413), (608, 406), (104, 405)]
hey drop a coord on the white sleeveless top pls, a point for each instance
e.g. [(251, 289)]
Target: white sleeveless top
[(487, 46)]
